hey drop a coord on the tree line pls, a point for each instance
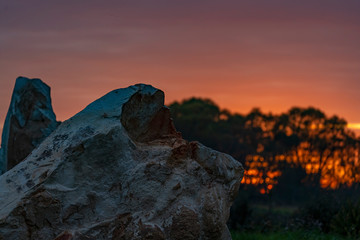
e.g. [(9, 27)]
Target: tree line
[(268, 145)]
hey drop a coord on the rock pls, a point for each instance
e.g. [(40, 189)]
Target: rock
[(29, 121), (119, 170), (2, 163)]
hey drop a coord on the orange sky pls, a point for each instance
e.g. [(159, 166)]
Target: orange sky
[(242, 54)]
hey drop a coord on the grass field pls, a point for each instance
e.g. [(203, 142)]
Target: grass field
[(291, 235)]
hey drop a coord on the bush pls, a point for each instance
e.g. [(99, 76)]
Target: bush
[(286, 235), (347, 221), (240, 212), (318, 213)]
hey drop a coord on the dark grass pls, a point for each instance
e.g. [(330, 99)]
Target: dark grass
[(286, 235)]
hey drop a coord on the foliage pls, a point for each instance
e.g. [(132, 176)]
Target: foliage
[(246, 215), (285, 235), (317, 214), (347, 221), (268, 144), (290, 189), (240, 212), (323, 213), (287, 158)]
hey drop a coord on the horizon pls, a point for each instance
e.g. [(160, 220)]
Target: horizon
[(355, 127)]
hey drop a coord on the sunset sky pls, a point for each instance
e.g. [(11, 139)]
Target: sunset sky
[(242, 54)]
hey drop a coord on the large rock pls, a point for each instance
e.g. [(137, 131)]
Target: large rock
[(2, 162), (29, 121), (119, 170)]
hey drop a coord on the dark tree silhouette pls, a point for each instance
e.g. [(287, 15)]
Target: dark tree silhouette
[(269, 144)]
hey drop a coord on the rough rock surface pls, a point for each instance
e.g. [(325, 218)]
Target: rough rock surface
[(119, 170), (29, 121), (2, 162)]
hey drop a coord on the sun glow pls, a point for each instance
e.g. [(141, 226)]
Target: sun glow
[(333, 174), (353, 125)]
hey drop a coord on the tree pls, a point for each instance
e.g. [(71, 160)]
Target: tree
[(268, 144)]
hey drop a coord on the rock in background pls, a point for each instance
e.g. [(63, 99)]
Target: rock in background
[(29, 121), (119, 170)]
